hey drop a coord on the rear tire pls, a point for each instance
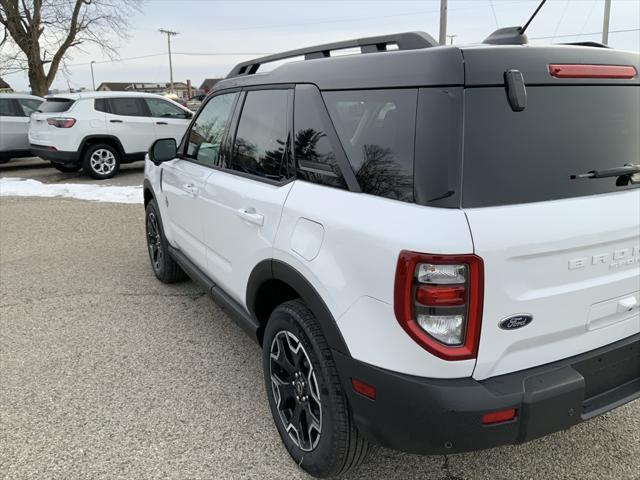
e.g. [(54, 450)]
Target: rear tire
[(164, 267), (305, 395), (66, 168), (101, 161)]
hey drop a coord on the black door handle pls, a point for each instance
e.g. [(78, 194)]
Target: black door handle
[(115, 121), (162, 123)]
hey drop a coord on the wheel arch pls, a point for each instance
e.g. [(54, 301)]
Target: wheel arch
[(149, 194), (273, 282), (99, 138)]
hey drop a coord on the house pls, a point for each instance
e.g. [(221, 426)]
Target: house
[(181, 89), (4, 86), (208, 84)]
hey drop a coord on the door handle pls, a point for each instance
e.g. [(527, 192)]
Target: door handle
[(191, 189), (250, 215), (115, 121), (162, 123)]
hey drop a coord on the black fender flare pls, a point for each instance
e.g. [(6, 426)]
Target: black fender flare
[(113, 138), (278, 270)]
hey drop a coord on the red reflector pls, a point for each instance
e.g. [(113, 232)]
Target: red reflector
[(499, 416), (363, 388), (438, 295), (591, 71)]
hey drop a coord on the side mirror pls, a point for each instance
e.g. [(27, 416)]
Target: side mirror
[(163, 150)]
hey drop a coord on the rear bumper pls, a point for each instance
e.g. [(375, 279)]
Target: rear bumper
[(55, 156), (436, 416)]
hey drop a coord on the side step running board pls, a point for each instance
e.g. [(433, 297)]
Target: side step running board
[(244, 320)]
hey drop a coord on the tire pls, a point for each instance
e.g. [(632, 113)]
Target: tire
[(101, 161), (164, 267), (332, 444), (66, 168)]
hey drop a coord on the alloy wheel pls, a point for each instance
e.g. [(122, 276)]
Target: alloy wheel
[(295, 390), (102, 161), (154, 241)]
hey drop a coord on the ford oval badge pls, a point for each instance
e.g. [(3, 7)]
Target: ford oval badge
[(516, 321)]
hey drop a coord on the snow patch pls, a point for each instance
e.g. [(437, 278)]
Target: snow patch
[(19, 187)]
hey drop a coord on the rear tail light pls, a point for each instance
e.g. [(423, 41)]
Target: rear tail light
[(591, 71), (438, 302), (61, 122)]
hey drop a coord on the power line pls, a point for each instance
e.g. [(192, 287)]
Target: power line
[(585, 34)]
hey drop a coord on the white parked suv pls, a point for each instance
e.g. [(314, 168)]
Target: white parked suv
[(98, 131), (15, 109), (436, 247)]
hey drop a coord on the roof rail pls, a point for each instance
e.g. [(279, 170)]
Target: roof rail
[(404, 41)]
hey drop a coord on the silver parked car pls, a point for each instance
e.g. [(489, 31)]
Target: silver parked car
[(15, 110)]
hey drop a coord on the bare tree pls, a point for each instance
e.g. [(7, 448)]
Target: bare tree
[(37, 35)]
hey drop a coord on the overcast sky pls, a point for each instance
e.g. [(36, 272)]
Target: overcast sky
[(260, 27)]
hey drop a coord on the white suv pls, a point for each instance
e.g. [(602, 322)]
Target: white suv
[(98, 131), (15, 109), (437, 247)]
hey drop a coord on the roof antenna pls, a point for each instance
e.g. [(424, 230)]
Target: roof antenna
[(526, 25), (512, 35)]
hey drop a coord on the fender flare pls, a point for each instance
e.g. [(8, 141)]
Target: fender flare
[(86, 139), (278, 270)]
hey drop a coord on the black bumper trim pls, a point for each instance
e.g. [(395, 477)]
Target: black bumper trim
[(55, 156), (437, 416)]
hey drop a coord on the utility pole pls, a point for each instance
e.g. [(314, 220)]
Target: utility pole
[(169, 34), (93, 81), (443, 22), (605, 24)]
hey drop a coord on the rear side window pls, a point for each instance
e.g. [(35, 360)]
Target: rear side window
[(127, 106), (29, 105), (529, 156), (377, 131), (100, 105), (56, 105), (314, 149), (206, 134), (261, 138), (7, 108)]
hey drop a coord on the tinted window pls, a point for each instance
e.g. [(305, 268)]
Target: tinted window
[(163, 109), (206, 135), (529, 156), (377, 131), (261, 138), (29, 105), (56, 105), (313, 150), (129, 106), (100, 104), (7, 108)]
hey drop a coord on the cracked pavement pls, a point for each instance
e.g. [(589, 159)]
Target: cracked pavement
[(105, 373)]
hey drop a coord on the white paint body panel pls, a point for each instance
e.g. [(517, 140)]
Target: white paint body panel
[(354, 270), (554, 260)]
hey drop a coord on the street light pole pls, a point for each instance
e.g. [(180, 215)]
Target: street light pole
[(605, 23), (443, 22), (451, 37), (169, 34), (93, 80)]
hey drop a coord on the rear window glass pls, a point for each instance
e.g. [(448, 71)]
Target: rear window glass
[(127, 106), (377, 131), (529, 156), (54, 105)]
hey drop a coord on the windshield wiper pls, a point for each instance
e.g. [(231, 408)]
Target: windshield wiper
[(628, 170)]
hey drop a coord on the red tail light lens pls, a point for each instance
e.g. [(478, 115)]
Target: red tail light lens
[(438, 302), (61, 122), (591, 71)]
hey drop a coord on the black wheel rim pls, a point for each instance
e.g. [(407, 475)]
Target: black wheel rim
[(154, 242), (295, 390)]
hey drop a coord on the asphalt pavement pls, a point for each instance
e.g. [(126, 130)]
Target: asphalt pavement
[(105, 373)]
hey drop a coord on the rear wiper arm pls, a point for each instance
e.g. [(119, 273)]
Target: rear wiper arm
[(627, 170)]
